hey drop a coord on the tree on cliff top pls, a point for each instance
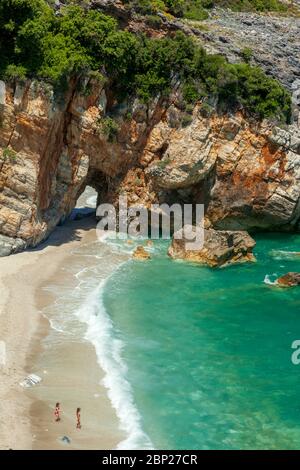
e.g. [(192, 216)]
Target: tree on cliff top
[(37, 43), (197, 9), (13, 14)]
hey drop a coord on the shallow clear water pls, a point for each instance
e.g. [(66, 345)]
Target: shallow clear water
[(208, 351)]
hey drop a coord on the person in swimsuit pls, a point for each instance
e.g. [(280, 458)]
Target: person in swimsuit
[(57, 412), (78, 411)]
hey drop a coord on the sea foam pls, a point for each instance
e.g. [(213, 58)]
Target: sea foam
[(285, 255), (86, 302), (271, 279), (101, 333)]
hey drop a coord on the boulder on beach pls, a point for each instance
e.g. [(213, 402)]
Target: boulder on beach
[(289, 280), (220, 248), (65, 440), (140, 253)]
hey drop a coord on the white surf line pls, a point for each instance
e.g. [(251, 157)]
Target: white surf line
[(101, 333)]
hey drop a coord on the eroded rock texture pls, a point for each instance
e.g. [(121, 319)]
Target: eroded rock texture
[(247, 174), (289, 280), (51, 148), (220, 248)]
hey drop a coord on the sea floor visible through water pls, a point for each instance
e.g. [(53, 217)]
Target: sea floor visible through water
[(193, 357)]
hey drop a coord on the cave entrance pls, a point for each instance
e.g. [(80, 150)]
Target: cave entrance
[(94, 189), (86, 204)]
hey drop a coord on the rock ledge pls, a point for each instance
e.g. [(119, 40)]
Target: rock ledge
[(220, 248)]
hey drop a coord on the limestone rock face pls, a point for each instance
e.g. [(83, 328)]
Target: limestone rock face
[(140, 253), (220, 248), (10, 245), (247, 174), (50, 149), (186, 155), (274, 40), (257, 182), (289, 280)]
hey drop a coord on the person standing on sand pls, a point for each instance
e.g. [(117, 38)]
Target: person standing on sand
[(57, 412), (78, 411)]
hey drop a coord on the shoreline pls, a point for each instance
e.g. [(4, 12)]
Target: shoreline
[(23, 328)]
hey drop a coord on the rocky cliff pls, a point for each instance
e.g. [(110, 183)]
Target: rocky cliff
[(271, 41), (247, 174)]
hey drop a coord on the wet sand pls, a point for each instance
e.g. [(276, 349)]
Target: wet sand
[(71, 374)]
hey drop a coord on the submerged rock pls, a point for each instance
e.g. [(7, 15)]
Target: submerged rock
[(220, 248), (141, 253), (289, 280)]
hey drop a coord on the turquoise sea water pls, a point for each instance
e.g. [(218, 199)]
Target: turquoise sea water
[(208, 351)]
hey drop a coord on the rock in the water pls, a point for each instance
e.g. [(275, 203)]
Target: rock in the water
[(141, 253), (289, 280), (220, 248)]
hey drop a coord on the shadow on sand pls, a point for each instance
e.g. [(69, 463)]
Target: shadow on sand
[(71, 230)]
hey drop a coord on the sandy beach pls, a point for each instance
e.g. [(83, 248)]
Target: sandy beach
[(26, 416)]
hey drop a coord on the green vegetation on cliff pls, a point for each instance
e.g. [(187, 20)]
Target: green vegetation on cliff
[(193, 9), (197, 9), (250, 5), (35, 42)]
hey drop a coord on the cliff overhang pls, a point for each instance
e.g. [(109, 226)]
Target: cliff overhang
[(246, 173)]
